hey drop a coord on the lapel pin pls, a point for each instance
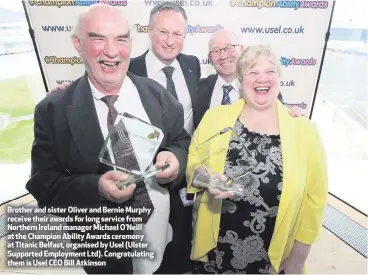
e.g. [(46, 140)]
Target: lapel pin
[(153, 135)]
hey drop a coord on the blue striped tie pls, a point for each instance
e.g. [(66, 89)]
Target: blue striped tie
[(226, 98)]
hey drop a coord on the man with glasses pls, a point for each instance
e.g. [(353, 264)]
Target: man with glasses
[(221, 88)]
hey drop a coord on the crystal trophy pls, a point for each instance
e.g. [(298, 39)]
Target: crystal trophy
[(130, 147), (208, 152)]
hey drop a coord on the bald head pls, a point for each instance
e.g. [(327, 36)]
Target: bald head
[(224, 51), (222, 37), (99, 12), (102, 39)]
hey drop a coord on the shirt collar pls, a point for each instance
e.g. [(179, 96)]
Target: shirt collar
[(235, 83), (95, 93), (98, 95), (155, 65)]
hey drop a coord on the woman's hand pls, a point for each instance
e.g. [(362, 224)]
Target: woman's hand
[(220, 194), (204, 178)]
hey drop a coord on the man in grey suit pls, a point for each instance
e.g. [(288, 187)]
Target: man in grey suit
[(69, 131)]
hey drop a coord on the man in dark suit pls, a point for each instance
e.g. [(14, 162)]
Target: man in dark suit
[(70, 127), (179, 74), (223, 87)]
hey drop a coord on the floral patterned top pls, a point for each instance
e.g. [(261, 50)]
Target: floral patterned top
[(248, 220)]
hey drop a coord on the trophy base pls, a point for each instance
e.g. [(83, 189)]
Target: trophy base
[(134, 179), (205, 181)]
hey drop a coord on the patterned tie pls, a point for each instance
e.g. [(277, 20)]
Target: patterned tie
[(140, 196), (226, 98), (170, 86)]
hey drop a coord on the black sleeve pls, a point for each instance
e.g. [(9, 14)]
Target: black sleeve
[(50, 184), (199, 69)]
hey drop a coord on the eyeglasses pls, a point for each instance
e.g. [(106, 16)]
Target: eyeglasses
[(228, 49)]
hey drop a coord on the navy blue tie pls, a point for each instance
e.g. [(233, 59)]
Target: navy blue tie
[(226, 97)]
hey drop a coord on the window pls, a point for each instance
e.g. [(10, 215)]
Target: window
[(341, 106), (21, 87), (348, 34)]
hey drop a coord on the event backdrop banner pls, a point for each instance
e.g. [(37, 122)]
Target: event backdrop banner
[(296, 30)]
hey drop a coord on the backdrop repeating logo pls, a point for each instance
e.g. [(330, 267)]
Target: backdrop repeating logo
[(57, 28), (140, 28), (62, 3), (273, 30), (63, 60), (204, 61), (298, 39), (301, 4), (287, 83), (192, 29), (297, 61), (183, 3), (59, 81), (203, 29)]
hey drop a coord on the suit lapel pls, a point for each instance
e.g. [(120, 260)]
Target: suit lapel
[(204, 94), (83, 124), (211, 86), (190, 78), (138, 65)]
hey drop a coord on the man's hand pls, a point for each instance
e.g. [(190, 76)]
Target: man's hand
[(109, 190), (61, 86), (169, 174), (297, 112)]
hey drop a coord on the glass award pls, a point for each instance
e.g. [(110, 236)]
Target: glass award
[(130, 147), (208, 151)]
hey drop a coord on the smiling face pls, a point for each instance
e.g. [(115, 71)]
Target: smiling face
[(167, 34), (103, 42), (260, 81), (224, 52)]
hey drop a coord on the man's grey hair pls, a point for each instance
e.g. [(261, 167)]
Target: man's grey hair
[(81, 15), (166, 6)]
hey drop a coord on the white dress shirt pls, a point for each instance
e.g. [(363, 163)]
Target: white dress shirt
[(218, 92), (154, 71), (157, 231)]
